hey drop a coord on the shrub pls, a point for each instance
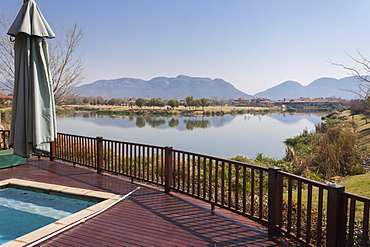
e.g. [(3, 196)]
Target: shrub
[(333, 149)]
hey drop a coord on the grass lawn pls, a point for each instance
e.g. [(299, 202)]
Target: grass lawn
[(358, 184)]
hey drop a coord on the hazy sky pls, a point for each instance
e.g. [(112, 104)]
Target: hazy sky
[(253, 44)]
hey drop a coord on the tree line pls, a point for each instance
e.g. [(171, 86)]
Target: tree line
[(189, 101)]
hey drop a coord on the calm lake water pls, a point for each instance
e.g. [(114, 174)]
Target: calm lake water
[(223, 137)]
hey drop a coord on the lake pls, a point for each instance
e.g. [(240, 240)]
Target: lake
[(223, 137)]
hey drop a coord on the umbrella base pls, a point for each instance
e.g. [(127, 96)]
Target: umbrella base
[(8, 159)]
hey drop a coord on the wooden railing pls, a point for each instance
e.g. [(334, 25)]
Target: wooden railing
[(312, 213)]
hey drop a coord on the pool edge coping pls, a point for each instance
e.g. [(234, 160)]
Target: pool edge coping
[(108, 199)]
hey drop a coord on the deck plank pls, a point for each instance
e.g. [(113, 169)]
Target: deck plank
[(147, 218)]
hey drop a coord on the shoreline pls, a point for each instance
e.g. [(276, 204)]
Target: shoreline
[(163, 111)]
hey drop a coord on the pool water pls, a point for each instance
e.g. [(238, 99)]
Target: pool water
[(23, 211)]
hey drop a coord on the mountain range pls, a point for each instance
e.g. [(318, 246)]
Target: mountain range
[(182, 86), (162, 87), (323, 87)]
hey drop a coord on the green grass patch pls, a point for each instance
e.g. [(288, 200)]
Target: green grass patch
[(358, 184)]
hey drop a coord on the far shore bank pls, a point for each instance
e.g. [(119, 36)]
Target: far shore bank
[(164, 111)]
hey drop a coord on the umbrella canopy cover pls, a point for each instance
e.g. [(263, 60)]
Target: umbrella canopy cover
[(33, 124)]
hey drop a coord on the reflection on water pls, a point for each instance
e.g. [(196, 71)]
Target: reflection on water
[(180, 123), (224, 136)]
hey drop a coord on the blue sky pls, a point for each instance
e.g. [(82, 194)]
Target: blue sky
[(253, 44)]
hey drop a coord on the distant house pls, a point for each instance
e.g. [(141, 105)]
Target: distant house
[(6, 99), (130, 102), (240, 101), (256, 100), (307, 103)]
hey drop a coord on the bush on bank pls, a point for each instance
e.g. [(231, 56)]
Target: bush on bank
[(332, 149)]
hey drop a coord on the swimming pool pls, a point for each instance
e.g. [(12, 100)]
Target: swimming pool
[(23, 211), (31, 210)]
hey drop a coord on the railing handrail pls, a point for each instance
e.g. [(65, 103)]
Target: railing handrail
[(356, 197), (111, 140), (303, 179), (223, 159)]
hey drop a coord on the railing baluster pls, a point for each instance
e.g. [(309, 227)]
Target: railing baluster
[(236, 187), (117, 158), (152, 165), (183, 172), (189, 173), (365, 226), (351, 222), (252, 192), (289, 214), (204, 178), (261, 195), (163, 157), (229, 183), (244, 190), (319, 216), (157, 167), (216, 182), (210, 197), (309, 214), (198, 180), (299, 209), (131, 161), (222, 183), (145, 163), (193, 179)]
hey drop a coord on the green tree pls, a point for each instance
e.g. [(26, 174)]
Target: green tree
[(196, 103), (173, 103), (189, 100), (113, 101), (140, 102), (160, 103), (152, 102), (203, 102)]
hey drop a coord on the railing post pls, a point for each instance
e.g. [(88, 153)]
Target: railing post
[(53, 149), (99, 153), (336, 217), (274, 199), (168, 170)]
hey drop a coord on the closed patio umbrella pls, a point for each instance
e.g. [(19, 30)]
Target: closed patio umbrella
[(33, 123)]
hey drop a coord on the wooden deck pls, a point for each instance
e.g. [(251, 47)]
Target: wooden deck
[(148, 218)]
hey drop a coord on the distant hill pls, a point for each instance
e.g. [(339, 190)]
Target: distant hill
[(182, 86), (323, 87), (160, 87)]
